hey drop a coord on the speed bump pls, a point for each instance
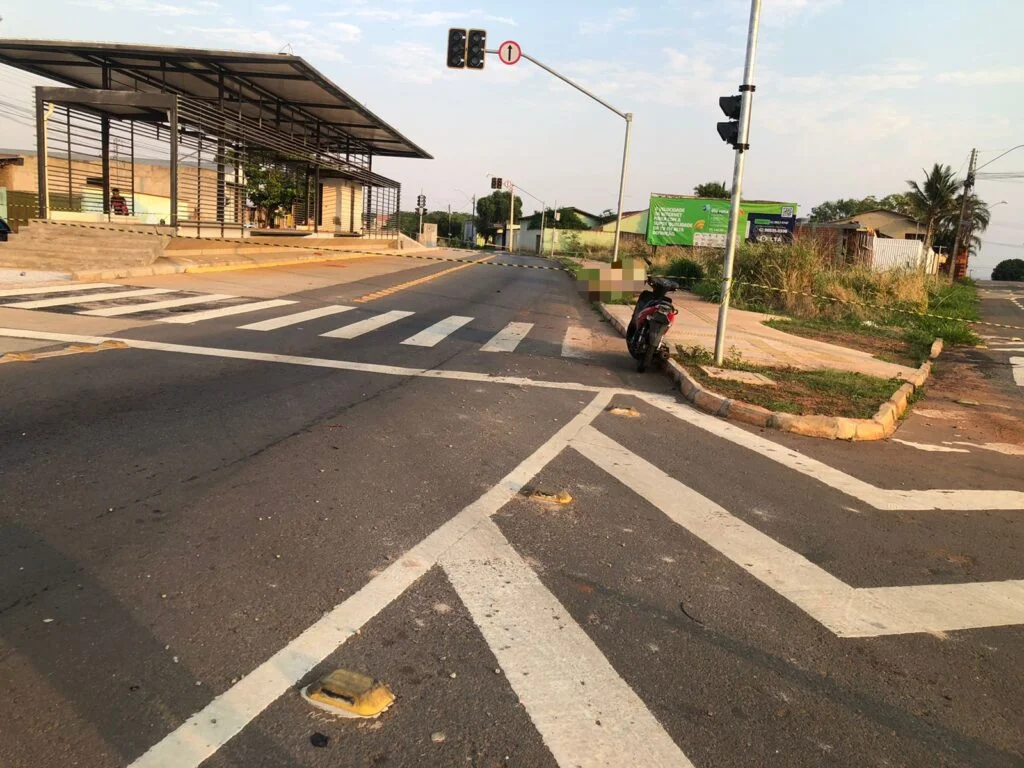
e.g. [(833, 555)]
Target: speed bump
[(349, 694)]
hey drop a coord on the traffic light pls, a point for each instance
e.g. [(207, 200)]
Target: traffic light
[(421, 204), (476, 49), (496, 182), (730, 130), (457, 48)]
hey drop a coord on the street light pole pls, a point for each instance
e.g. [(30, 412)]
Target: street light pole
[(622, 188), (746, 97)]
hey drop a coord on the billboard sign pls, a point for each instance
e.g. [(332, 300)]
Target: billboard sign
[(704, 222), (770, 228)]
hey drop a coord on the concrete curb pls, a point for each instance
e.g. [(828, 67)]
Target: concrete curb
[(878, 427)]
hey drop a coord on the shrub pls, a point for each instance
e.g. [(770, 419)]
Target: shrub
[(688, 271), (1010, 269)]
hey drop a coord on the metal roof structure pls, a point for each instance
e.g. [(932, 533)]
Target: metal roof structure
[(280, 89)]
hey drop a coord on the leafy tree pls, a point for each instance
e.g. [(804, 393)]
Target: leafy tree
[(832, 210), (567, 219), (933, 200), (409, 223), (443, 220), (269, 185), (712, 189), (492, 213), (1009, 269)]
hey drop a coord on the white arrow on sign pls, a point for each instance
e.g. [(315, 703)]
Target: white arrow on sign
[(510, 52)]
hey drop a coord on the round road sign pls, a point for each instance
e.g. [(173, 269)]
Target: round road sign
[(510, 52)]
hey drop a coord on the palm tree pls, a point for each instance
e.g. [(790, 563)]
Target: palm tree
[(934, 200), (978, 219)]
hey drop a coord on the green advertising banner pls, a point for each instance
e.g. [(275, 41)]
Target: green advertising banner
[(704, 222)]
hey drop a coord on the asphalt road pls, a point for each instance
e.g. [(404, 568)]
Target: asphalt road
[(1003, 303), (195, 526)]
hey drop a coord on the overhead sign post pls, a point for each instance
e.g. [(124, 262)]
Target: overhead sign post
[(510, 52), (461, 41)]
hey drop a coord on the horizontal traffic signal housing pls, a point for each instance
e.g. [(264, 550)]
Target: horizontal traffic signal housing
[(457, 48), (476, 49)]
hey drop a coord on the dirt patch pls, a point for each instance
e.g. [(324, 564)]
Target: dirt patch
[(878, 343), (959, 376)]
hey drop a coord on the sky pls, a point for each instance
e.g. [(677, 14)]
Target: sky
[(853, 97)]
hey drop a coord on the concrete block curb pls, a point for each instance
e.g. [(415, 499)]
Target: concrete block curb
[(878, 427)]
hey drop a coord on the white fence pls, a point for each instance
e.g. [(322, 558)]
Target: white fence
[(889, 253)]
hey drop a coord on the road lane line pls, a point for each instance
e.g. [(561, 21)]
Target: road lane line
[(315, 362), (438, 332), (574, 343), (205, 732), (56, 289), (354, 330), (508, 338), (879, 498), (846, 611), (1006, 349), (412, 283), (929, 446), (586, 713), (299, 317), (87, 299), (155, 305), (1018, 370), (237, 309)]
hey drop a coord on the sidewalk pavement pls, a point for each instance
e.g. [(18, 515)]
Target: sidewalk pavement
[(761, 345)]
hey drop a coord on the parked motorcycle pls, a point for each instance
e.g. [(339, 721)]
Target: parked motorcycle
[(652, 317)]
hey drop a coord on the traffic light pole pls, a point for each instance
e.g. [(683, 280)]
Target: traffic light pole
[(746, 94), (627, 116)]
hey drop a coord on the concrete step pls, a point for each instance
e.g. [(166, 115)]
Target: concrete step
[(79, 254)]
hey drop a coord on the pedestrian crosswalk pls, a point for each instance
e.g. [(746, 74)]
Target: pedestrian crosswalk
[(354, 330), (508, 338), (438, 332), (176, 307), (294, 319)]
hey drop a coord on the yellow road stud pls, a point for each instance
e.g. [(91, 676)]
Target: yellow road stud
[(349, 694)]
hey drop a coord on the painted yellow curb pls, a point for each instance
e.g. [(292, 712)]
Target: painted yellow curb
[(72, 349)]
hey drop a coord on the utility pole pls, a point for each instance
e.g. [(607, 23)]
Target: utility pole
[(961, 222), (543, 215), (449, 221), (554, 231), (747, 95), (511, 216)]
